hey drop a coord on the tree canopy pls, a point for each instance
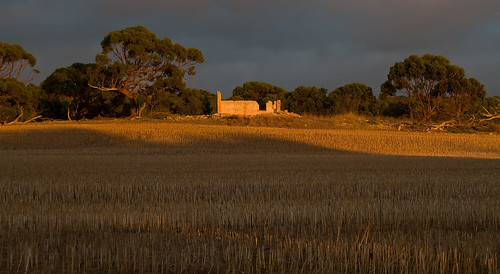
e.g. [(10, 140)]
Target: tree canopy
[(307, 100), (17, 63), (139, 74), (353, 98), (67, 92), (18, 102), (423, 81), (462, 94), (259, 91), (134, 59)]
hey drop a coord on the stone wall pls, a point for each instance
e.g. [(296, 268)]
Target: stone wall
[(239, 107), (245, 107)]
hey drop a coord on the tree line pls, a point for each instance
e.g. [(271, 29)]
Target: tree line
[(140, 75)]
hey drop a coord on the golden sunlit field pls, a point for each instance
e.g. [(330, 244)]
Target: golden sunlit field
[(170, 196)]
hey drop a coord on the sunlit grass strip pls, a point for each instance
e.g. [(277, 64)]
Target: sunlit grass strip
[(232, 139)]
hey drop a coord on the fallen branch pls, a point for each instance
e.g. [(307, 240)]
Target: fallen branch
[(15, 120), (442, 125), (33, 119)]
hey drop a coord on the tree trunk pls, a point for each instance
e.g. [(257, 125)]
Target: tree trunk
[(69, 116), (133, 107), (139, 115)]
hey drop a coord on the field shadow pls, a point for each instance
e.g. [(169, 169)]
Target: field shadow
[(91, 141), (85, 139)]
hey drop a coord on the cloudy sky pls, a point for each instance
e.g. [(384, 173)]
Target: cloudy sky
[(323, 43)]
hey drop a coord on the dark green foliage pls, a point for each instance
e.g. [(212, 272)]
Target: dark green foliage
[(185, 102), (138, 74), (197, 102), (307, 100), (463, 96), (387, 89), (236, 98), (492, 102), (432, 88), (115, 105), (134, 62), (17, 63), (353, 98), (260, 92), (67, 94), (18, 102), (393, 107), (419, 78)]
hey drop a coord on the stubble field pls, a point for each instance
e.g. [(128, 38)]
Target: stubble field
[(163, 196)]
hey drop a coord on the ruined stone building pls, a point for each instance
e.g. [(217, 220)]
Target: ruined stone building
[(245, 107)]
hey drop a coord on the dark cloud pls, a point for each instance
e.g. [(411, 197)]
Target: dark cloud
[(285, 42)]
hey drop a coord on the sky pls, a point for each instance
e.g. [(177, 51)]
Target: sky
[(288, 43)]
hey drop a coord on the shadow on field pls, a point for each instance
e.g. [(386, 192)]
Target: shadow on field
[(75, 140), (80, 199), (87, 139)]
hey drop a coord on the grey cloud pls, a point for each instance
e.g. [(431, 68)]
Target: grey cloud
[(393, 24), (284, 42)]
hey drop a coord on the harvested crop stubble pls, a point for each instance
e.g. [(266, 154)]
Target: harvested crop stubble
[(169, 197)]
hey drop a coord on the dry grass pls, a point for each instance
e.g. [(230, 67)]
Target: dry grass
[(145, 135), (146, 196)]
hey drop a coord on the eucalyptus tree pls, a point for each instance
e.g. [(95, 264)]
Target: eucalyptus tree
[(462, 94), (307, 100), (354, 98), (18, 101), (418, 78), (430, 85), (17, 63), (134, 59), (67, 93)]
